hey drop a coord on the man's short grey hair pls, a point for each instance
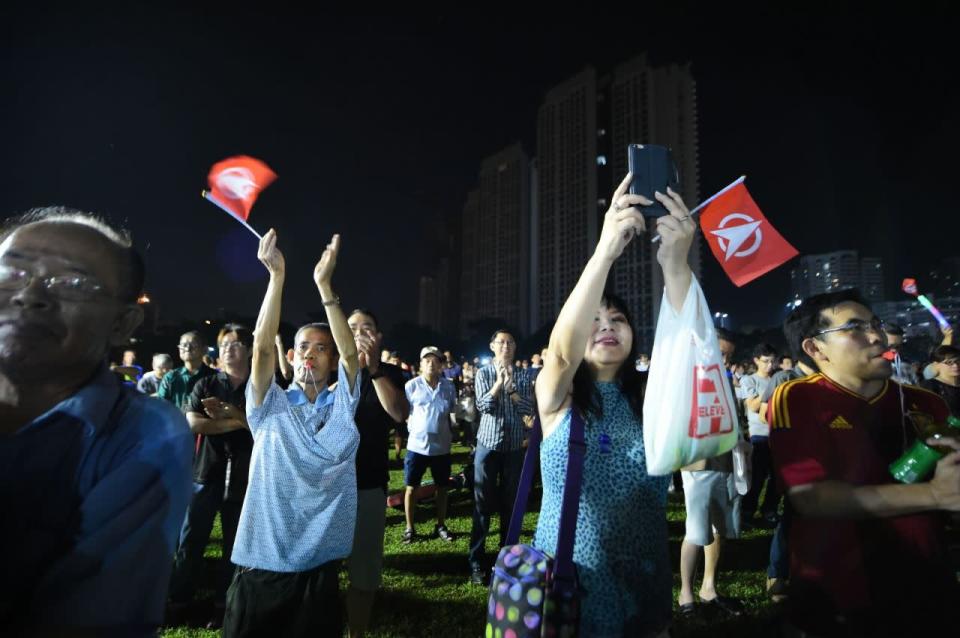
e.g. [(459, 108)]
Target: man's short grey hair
[(128, 259), (162, 360)]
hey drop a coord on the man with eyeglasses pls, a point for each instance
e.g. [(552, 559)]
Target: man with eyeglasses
[(868, 556), (94, 477), (753, 387), (215, 410), (946, 383), (504, 395), (177, 385)]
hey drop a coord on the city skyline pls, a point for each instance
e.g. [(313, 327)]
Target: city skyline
[(376, 127)]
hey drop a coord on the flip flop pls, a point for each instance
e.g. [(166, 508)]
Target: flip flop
[(689, 610), (731, 606)]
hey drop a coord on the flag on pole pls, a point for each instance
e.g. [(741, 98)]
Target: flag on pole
[(235, 183), (741, 237)]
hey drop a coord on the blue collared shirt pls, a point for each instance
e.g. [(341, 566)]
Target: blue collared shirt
[(501, 420), (301, 500), (429, 421), (94, 492)]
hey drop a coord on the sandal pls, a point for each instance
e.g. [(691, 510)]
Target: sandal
[(689, 610), (408, 536), (731, 606), (443, 533)]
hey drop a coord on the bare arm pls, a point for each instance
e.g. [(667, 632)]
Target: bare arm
[(268, 322), (753, 403), (568, 340), (392, 398), (285, 368), (342, 336), (676, 235)]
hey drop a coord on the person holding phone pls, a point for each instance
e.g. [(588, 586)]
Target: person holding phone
[(620, 545)]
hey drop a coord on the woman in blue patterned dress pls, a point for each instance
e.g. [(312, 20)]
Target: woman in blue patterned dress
[(621, 539)]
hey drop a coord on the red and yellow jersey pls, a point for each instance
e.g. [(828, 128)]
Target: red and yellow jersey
[(821, 431)]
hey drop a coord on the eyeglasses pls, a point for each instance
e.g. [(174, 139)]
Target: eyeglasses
[(500, 343), (187, 346), (950, 362), (858, 326), (65, 287), (231, 345)]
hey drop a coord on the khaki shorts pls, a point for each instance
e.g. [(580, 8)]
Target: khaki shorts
[(365, 563), (713, 506)]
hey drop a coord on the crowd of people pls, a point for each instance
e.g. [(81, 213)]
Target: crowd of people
[(112, 491)]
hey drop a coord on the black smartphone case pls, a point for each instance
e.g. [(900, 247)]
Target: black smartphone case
[(653, 169)]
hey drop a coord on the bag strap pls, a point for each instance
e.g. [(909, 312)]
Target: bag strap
[(563, 572)]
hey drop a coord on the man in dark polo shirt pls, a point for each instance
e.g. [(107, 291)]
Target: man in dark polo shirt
[(177, 385), (382, 406), (94, 477), (216, 410)]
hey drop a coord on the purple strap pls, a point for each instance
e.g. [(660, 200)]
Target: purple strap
[(563, 572)]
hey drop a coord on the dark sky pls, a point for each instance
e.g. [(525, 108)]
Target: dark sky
[(845, 125)]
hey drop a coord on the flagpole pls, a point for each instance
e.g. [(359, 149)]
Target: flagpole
[(696, 210), (213, 200)]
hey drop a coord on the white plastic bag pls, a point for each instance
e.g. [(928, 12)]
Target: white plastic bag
[(688, 410), (742, 466)]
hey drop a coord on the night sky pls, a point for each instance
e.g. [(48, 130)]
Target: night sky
[(846, 127)]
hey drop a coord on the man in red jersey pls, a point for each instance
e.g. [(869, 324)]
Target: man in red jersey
[(868, 556)]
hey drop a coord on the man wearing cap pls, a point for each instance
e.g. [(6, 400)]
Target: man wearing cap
[(433, 401)]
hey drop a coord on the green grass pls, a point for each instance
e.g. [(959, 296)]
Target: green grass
[(426, 591)]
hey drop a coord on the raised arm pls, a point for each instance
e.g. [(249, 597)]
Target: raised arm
[(268, 321), (342, 336), (676, 234), (570, 333), (285, 368)]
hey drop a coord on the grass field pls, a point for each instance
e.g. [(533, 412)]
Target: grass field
[(426, 590)]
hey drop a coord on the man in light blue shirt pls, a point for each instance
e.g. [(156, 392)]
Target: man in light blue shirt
[(94, 477), (300, 506), (433, 401)]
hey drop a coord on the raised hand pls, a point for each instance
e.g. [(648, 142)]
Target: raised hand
[(269, 255), (622, 222), (676, 232), (323, 273), (368, 348)]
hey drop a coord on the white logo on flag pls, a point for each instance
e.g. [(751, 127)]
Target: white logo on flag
[(236, 182), (733, 238)]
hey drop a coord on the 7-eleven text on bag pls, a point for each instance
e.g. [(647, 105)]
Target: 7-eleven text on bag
[(688, 409), (710, 413)]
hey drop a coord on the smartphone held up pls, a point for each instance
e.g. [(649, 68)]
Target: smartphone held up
[(653, 171)]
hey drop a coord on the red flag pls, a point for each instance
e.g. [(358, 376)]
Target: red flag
[(741, 238), (236, 182)]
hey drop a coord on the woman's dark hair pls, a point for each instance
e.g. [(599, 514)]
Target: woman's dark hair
[(632, 383)]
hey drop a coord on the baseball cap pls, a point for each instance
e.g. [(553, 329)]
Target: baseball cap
[(434, 350)]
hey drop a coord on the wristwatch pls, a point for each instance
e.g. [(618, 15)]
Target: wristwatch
[(332, 302)]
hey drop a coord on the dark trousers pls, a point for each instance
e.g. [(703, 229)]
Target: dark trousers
[(779, 566), (496, 476), (762, 470), (265, 603), (194, 536)]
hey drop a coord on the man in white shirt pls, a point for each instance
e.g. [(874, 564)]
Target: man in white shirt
[(433, 402), (754, 387)]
